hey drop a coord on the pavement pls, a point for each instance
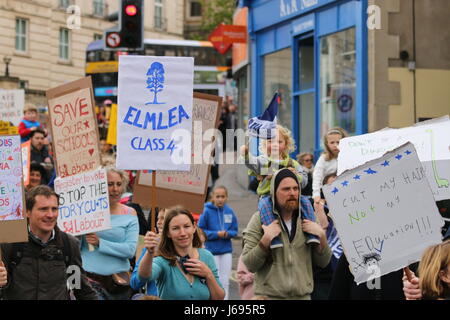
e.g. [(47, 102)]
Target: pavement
[(244, 204)]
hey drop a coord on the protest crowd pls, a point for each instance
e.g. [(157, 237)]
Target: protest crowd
[(291, 246)]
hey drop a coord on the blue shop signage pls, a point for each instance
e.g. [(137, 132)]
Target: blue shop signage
[(303, 24), (273, 12)]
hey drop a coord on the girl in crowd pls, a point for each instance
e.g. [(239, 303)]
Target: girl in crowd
[(136, 283), (182, 269), (108, 264), (275, 156), (220, 225), (434, 272), (327, 163)]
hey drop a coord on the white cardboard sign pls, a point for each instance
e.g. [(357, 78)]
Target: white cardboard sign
[(11, 105), (430, 140), (385, 213), (155, 113), (83, 203)]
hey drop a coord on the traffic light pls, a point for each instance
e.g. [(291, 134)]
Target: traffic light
[(131, 24)]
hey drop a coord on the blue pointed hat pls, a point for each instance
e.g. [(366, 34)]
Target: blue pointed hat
[(271, 112), (265, 125)]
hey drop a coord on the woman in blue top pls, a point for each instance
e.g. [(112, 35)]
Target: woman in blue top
[(113, 247), (182, 269), (219, 223)]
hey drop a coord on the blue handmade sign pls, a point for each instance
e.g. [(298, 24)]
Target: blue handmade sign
[(155, 113)]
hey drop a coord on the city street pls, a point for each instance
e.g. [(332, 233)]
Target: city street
[(244, 204)]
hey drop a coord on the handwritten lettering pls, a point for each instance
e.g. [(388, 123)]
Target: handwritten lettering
[(388, 185), (70, 111), (354, 199), (360, 214), (155, 121), (418, 174)]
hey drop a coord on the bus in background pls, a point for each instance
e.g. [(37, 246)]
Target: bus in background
[(210, 67)]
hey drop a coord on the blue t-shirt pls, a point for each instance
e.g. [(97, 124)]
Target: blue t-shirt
[(117, 246), (173, 285)]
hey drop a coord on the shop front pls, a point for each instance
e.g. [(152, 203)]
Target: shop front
[(314, 53)]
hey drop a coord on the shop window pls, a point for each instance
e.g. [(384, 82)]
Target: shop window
[(306, 64), (338, 81), (307, 122), (278, 77)]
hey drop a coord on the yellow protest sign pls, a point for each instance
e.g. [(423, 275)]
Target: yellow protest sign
[(112, 129)]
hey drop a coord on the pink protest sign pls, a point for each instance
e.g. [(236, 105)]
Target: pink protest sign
[(11, 196)]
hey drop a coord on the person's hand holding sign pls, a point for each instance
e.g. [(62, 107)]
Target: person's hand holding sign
[(151, 241), (93, 239), (3, 275)]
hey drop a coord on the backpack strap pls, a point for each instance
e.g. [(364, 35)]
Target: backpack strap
[(16, 254), (67, 249)]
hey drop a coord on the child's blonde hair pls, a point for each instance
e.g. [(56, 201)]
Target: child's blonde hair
[(287, 136), (336, 130), (29, 107), (434, 260)]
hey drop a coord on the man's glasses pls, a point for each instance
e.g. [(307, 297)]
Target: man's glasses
[(307, 160)]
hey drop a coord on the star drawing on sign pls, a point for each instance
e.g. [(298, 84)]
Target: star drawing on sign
[(398, 157), (408, 152), (385, 163), (357, 177), (86, 124), (345, 183), (335, 190), (370, 171)]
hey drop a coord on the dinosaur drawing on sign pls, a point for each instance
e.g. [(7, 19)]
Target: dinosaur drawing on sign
[(440, 181)]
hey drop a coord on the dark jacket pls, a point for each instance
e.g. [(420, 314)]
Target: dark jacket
[(39, 155), (344, 287), (39, 278)]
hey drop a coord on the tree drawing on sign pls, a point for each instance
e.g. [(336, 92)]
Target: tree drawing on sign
[(155, 81), (440, 181)]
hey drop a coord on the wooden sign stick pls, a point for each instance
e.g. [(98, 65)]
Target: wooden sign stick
[(153, 205)]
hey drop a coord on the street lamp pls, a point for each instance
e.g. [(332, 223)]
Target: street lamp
[(7, 61)]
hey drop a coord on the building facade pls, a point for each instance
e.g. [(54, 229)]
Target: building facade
[(358, 64), (46, 39)]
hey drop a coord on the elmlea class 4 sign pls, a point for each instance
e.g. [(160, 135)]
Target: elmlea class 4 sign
[(155, 113)]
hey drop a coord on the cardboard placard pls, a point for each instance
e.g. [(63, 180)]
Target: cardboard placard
[(83, 203), (154, 118), (74, 127), (430, 140), (11, 105), (385, 213), (13, 225), (185, 188)]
